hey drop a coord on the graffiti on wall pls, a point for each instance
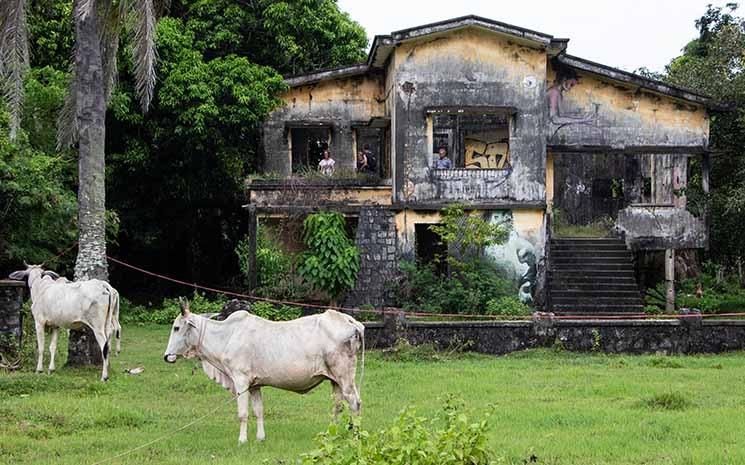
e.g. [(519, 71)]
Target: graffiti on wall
[(517, 256), (559, 115)]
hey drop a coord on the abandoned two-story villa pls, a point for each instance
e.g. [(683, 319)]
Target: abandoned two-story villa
[(532, 132)]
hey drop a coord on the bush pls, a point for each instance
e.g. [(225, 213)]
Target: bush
[(332, 261), (507, 305), (275, 312), (169, 309), (449, 438), (469, 288)]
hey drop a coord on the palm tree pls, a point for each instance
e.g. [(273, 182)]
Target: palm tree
[(93, 72)]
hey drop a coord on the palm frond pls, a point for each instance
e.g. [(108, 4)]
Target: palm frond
[(140, 19), (14, 57), (83, 8), (110, 46)]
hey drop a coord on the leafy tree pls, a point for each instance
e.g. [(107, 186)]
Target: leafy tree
[(97, 26), (714, 63), (332, 261)]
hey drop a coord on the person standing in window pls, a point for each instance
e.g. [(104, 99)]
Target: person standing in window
[(326, 166), (362, 166), (443, 162)]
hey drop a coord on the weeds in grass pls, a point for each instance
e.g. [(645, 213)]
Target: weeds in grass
[(668, 401), (404, 351), (664, 362)]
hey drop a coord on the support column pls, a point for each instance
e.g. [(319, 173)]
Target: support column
[(705, 185), (252, 231), (670, 280)]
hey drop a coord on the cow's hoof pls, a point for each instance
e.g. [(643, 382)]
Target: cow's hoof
[(50, 371), (260, 438), (40, 371), (105, 379), (242, 441)]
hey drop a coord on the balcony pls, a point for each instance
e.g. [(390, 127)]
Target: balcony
[(659, 227), (310, 194)]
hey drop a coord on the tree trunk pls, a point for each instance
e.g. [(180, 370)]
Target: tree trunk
[(91, 114)]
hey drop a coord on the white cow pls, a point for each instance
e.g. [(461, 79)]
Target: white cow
[(59, 303), (244, 352)]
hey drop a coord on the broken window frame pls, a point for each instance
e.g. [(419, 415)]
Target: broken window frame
[(293, 129), (457, 131)]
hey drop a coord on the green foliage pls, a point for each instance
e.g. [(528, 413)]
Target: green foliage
[(466, 231), (448, 438), (714, 64), (273, 264), (668, 401), (331, 261), (167, 311), (470, 288), (507, 305), (275, 312), (721, 293)]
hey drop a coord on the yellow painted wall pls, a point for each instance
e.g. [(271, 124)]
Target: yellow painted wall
[(549, 180), (363, 94)]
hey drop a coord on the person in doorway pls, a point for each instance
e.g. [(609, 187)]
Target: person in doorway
[(326, 165), (362, 166), (372, 162), (443, 162)]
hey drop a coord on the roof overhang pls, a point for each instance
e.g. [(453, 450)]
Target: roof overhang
[(651, 85)]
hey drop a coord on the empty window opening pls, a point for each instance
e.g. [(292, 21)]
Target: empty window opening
[(308, 145)]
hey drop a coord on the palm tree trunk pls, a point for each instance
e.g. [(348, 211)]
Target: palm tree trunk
[(91, 115)]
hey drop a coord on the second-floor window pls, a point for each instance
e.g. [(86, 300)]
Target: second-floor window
[(470, 140)]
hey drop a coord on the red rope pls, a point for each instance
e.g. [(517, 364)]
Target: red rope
[(74, 244)]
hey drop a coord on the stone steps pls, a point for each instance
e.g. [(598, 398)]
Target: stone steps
[(592, 276)]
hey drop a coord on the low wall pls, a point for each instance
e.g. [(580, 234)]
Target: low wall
[(678, 336), (11, 319)]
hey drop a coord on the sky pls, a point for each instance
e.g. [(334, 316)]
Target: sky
[(626, 34)]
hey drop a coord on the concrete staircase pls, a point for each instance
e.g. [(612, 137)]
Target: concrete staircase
[(592, 276)]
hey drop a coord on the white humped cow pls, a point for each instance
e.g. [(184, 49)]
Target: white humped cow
[(59, 303), (244, 352)]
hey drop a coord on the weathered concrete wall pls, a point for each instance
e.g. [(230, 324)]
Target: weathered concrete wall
[(11, 320), (334, 193), (340, 101), (659, 228), (469, 68), (587, 110), (376, 241), (621, 337)]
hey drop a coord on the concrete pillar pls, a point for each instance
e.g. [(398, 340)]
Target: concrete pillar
[(11, 318), (670, 280), (253, 274), (705, 185)]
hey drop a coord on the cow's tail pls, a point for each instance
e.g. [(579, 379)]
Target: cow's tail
[(115, 320), (109, 320), (360, 332)]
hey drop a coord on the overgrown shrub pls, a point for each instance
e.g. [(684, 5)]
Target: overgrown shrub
[(721, 293), (331, 262), (469, 287), (275, 267), (449, 438), (167, 311), (507, 305), (275, 312)]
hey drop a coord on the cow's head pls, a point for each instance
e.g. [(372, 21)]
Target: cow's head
[(32, 271), (184, 334)]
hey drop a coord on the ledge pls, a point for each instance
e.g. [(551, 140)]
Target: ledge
[(11, 283), (318, 184)]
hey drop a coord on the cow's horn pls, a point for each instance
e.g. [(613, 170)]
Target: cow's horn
[(184, 305)]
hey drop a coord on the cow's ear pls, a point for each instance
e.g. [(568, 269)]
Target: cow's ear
[(19, 275), (184, 306), (191, 323), (51, 274)]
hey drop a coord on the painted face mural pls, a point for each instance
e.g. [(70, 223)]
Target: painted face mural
[(559, 115), (517, 255)]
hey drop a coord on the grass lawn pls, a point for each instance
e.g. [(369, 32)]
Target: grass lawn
[(561, 408)]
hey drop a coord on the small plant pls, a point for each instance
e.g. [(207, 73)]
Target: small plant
[(508, 306), (597, 342), (448, 438), (668, 401), (332, 261)]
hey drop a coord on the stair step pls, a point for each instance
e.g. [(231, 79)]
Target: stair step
[(559, 261), (591, 267), (637, 300), (587, 240), (597, 292), (611, 254), (592, 308), (592, 286), (580, 276), (573, 247)]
